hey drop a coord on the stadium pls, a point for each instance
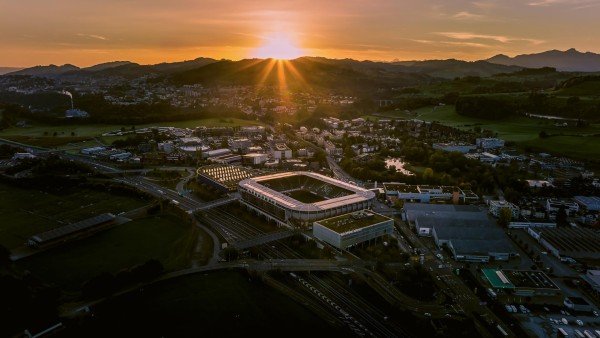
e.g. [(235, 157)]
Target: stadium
[(302, 197)]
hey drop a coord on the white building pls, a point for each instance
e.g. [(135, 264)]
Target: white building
[(496, 207), (281, 151), (255, 158), (553, 205), (351, 229)]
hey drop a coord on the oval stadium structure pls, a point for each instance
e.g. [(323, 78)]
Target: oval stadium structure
[(301, 197)]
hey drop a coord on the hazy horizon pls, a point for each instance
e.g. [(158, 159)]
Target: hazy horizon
[(34, 32)]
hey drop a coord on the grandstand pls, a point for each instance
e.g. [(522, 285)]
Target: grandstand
[(302, 196)]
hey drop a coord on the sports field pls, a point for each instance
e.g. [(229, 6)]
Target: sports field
[(25, 212), (162, 237), (305, 196)]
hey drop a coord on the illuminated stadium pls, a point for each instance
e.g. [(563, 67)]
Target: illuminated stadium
[(301, 197)]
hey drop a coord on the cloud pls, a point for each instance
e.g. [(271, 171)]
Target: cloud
[(579, 4), (92, 36), (464, 15), (497, 38)]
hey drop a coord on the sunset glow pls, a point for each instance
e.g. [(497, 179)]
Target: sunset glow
[(278, 46)]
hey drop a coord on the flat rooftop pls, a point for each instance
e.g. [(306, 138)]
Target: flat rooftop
[(575, 242), (227, 175), (354, 221)]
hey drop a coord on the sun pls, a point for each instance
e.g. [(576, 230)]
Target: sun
[(278, 46)]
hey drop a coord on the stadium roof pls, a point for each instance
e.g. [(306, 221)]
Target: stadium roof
[(358, 194)]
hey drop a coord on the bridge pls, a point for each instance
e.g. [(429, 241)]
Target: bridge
[(262, 239), (215, 203)]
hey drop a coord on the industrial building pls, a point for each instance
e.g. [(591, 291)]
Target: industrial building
[(573, 242), (302, 197), (351, 229), (526, 283), (466, 230), (75, 230)]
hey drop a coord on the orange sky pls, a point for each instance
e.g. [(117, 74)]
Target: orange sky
[(150, 31)]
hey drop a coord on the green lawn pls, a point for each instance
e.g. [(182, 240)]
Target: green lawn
[(92, 130), (163, 237), (223, 304), (522, 130), (25, 212)]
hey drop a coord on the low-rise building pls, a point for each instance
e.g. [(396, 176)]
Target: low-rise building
[(351, 229), (454, 147), (489, 143), (281, 151), (496, 207), (553, 206)]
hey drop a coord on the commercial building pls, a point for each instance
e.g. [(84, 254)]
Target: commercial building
[(496, 208), (350, 229), (526, 283), (302, 197)]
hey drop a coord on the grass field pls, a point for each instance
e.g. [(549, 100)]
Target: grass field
[(93, 130), (220, 304), (163, 237), (305, 196), (24, 212), (522, 130)]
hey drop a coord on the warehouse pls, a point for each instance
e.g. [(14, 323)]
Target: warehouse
[(351, 229), (569, 242)]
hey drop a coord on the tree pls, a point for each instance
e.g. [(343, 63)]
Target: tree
[(4, 255), (505, 217), (427, 174), (561, 217)]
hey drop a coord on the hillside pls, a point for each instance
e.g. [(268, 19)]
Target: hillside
[(452, 68), (580, 86), (46, 71), (306, 72), (570, 60)]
